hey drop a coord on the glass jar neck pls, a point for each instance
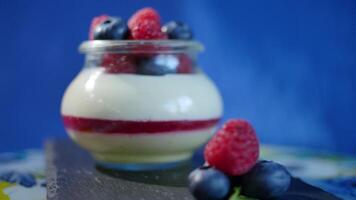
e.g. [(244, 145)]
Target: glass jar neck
[(141, 46), (142, 57)]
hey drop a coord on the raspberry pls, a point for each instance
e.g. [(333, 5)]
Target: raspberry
[(95, 22), (118, 63), (234, 149), (185, 64), (144, 13), (145, 25)]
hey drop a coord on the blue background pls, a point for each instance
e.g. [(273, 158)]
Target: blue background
[(287, 66)]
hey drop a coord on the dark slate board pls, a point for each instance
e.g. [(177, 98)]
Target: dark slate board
[(299, 190), (72, 174)]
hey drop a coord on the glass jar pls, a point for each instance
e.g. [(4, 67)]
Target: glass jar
[(141, 104)]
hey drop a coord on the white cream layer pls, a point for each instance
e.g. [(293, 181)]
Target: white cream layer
[(96, 94), (161, 147)]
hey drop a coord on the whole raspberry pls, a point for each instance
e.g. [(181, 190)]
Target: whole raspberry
[(95, 22), (145, 25), (118, 63), (234, 149), (144, 13)]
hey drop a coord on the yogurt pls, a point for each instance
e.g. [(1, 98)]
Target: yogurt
[(130, 118)]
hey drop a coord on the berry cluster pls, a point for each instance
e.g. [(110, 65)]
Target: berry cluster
[(145, 24), (232, 161)]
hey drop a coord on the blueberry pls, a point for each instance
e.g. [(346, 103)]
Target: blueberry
[(27, 180), (265, 180), (178, 30), (158, 65), (208, 183), (24, 179), (112, 28), (14, 178)]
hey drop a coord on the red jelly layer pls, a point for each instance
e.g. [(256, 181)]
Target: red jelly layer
[(132, 127)]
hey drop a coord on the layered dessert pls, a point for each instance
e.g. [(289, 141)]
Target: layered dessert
[(140, 99), (143, 118)]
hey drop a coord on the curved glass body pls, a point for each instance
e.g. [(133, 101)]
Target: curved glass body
[(138, 104)]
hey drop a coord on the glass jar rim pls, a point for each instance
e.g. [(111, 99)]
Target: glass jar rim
[(147, 46)]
